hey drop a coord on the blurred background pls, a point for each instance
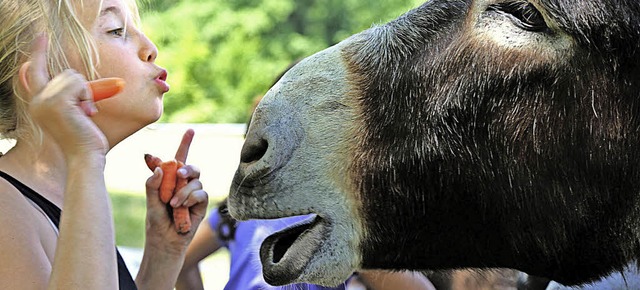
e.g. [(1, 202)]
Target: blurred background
[(221, 55)]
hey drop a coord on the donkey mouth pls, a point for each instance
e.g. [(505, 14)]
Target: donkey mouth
[(287, 253)]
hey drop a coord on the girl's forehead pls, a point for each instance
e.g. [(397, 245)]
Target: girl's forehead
[(91, 10)]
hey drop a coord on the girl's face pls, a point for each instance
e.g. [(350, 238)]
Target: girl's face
[(127, 53)]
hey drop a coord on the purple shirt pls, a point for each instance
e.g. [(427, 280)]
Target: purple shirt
[(246, 270)]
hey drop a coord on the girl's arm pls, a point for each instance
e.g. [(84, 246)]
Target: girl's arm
[(205, 242), (85, 256), (85, 253), (165, 248)]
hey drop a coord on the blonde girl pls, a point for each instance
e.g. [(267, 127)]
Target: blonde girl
[(56, 226)]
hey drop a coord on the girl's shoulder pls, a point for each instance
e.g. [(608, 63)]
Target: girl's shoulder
[(14, 205), (22, 224), (28, 246)]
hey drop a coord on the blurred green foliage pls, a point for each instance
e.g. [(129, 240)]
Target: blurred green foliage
[(129, 212), (221, 54)]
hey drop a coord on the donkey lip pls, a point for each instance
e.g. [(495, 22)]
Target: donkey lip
[(286, 254)]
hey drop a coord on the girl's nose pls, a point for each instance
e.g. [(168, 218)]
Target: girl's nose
[(148, 50)]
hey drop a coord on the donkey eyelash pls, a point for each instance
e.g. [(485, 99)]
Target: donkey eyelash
[(523, 14)]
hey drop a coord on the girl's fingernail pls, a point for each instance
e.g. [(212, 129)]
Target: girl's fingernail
[(182, 172), (89, 108)]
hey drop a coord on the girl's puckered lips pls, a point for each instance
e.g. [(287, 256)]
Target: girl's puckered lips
[(161, 81)]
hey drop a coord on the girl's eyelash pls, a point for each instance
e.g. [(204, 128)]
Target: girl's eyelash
[(119, 32)]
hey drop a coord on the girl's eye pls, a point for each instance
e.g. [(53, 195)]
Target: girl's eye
[(523, 14), (118, 32)]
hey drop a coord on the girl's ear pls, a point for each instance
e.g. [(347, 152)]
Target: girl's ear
[(33, 74), (22, 74)]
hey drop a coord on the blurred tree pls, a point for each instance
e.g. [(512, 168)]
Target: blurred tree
[(222, 54)]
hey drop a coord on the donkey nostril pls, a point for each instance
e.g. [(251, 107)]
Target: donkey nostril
[(253, 151)]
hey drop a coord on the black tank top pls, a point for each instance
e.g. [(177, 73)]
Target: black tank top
[(53, 212)]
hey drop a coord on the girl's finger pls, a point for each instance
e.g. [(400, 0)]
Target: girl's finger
[(34, 74), (153, 184), (189, 172), (183, 149), (86, 102), (195, 198), (181, 195), (197, 204)]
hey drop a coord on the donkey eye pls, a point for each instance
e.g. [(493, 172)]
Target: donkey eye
[(523, 14)]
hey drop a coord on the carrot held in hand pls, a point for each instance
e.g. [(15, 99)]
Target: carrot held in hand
[(172, 183), (105, 88), (181, 217), (168, 184)]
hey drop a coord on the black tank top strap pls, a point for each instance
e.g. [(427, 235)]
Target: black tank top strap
[(50, 209), (53, 212)]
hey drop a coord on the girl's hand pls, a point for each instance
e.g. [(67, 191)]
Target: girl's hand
[(61, 106), (160, 229), (165, 248)]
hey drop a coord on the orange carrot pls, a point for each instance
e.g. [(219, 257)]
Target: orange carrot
[(182, 220), (181, 217), (168, 184), (152, 161), (105, 88), (172, 183)]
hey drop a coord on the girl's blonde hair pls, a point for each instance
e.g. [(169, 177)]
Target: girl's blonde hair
[(22, 21)]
